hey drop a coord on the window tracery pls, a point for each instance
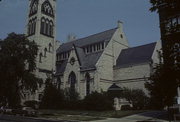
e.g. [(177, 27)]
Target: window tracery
[(47, 27), (33, 7), (47, 8), (32, 26)]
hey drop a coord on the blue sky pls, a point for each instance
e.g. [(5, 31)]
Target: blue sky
[(87, 17)]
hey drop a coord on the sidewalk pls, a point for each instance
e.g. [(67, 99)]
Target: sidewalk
[(148, 116)]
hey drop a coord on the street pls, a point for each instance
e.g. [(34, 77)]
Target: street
[(10, 118)]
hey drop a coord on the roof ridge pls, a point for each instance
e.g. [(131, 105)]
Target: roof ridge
[(140, 46), (89, 36)]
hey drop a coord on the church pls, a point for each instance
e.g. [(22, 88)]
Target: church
[(96, 62), (93, 63)]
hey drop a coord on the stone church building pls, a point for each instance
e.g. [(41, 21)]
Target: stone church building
[(95, 62), (88, 64)]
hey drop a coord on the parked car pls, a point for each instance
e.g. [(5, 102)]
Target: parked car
[(25, 111), (29, 111)]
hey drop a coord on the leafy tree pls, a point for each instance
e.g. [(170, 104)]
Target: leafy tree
[(53, 98), (136, 97), (163, 85), (165, 78), (155, 4), (18, 56)]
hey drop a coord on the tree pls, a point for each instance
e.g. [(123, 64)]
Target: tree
[(155, 4), (18, 56), (53, 98), (163, 85), (165, 78)]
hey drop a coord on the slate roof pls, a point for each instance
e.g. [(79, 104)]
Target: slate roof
[(60, 67), (135, 55), (99, 37), (87, 61)]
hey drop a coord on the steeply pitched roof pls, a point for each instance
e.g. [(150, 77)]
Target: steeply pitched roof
[(99, 37), (60, 67), (90, 60), (135, 55), (87, 61)]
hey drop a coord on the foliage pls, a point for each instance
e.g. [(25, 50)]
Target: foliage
[(71, 95), (136, 97), (17, 61), (157, 3), (163, 85), (97, 101), (72, 99), (53, 98)]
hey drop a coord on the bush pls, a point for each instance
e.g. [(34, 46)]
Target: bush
[(71, 100), (137, 97), (97, 101)]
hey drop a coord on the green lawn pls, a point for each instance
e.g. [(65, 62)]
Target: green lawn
[(85, 115)]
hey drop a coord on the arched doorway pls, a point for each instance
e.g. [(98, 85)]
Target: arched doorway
[(72, 81), (88, 83)]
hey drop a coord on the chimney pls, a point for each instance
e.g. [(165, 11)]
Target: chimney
[(120, 25)]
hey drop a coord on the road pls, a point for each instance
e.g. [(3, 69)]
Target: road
[(10, 118), (151, 116)]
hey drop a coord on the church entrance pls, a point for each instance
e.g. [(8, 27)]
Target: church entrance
[(72, 81)]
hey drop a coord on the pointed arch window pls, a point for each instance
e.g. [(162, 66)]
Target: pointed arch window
[(42, 25), (33, 7), (40, 57), (88, 83), (45, 50), (72, 82), (50, 46), (29, 27), (47, 27), (47, 9), (32, 26), (51, 28)]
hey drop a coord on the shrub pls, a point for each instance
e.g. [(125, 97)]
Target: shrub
[(71, 99), (137, 97), (97, 101)]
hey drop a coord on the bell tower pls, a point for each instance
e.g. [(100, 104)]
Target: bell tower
[(41, 29)]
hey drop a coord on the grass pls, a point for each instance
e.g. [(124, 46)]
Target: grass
[(85, 115)]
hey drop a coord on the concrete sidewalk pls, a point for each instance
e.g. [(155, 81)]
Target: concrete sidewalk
[(148, 116)]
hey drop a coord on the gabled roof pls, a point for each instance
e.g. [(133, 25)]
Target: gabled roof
[(114, 87), (60, 67), (87, 61), (135, 55), (99, 37)]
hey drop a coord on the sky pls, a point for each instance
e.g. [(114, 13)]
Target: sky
[(86, 17)]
